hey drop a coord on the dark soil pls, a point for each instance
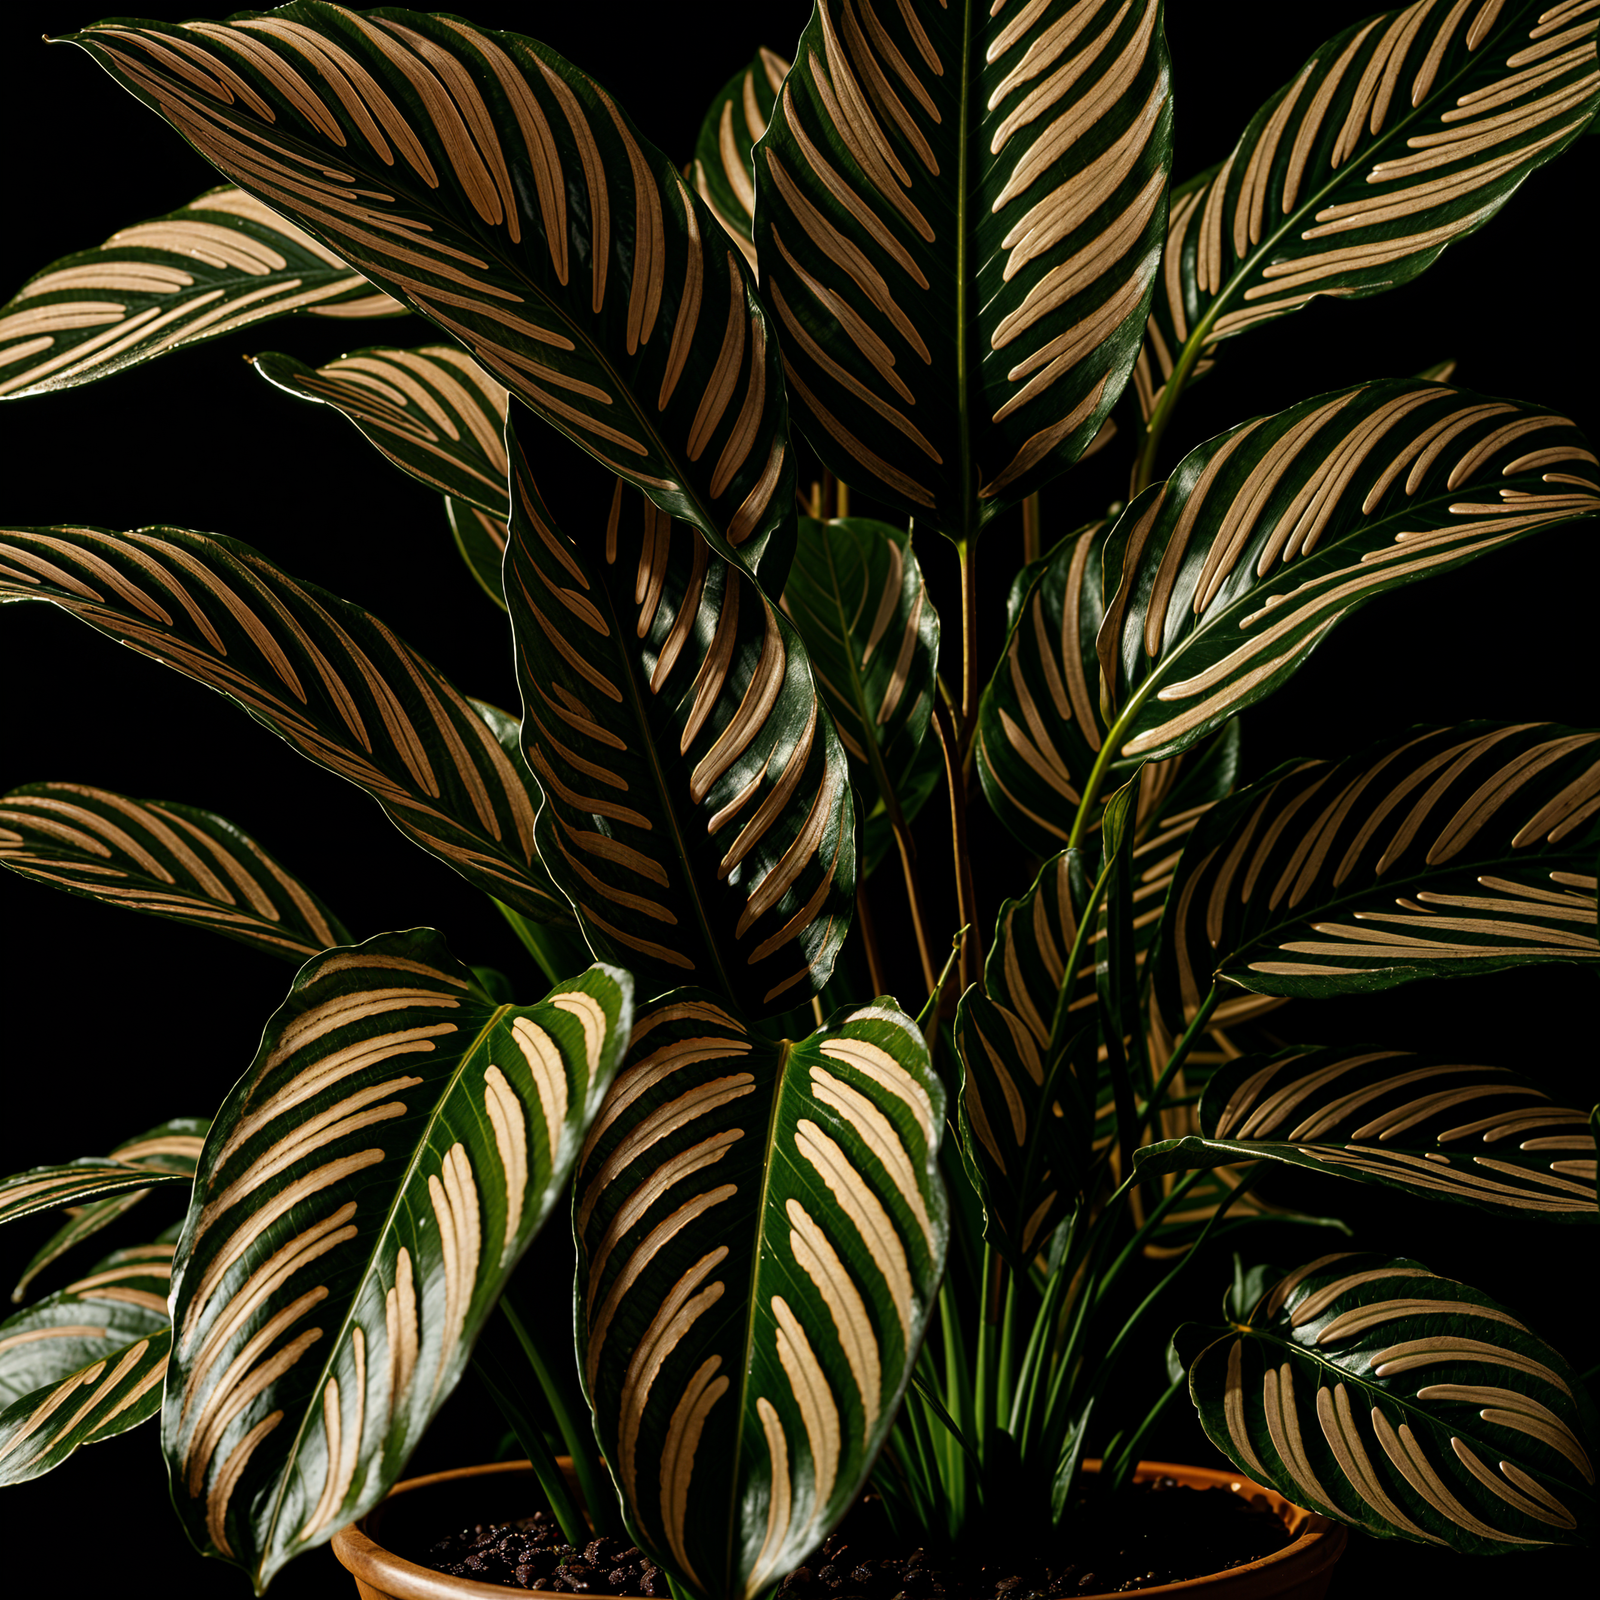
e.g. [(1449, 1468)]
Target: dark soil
[(1146, 1536)]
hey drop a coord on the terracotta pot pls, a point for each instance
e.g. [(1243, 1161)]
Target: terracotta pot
[(449, 1500)]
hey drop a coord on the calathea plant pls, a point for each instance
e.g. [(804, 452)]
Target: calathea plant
[(818, 1236)]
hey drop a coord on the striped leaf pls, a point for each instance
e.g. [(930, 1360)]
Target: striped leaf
[(78, 1183), (165, 859), (857, 598), (961, 219), (320, 672), (364, 1193), (481, 540), (1437, 853), (432, 411), (724, 168), (1429, 1124), (1402, 133), (489, 185), (172, 1147), (697, 801), (1410, 1405), (222, 262), (761, 1230), (86, 1363), (1224, 579)]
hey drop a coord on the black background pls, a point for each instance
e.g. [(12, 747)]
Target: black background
[(111, 1023)]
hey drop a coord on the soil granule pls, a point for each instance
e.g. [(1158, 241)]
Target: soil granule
[(1146, 1536)]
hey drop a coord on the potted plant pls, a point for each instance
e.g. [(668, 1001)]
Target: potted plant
[(737, 743)]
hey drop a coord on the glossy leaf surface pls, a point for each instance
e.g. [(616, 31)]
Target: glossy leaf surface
[(1402, 133), (761, 1230), (724, 169), (481, 540), (320, 672), (960, 224), (1221, 581), (170, 1148), (84, 1364), (1429, 1124), (165, 859), (1413, 1406), (432, 411), (76, 1183), (697, 800), (488, 184), (364, 1193), (857, 597), (222, 262), (1438, 853)]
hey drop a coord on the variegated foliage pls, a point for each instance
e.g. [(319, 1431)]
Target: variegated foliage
[(697, 807), (1437, 853), (165, 859), (79, 1183), (322, 673), (1221, 581), (857, 598), (171, 1149), (1429, 1124), (85, 1363), (488, 184), (433, 411), (724, 168), (1410, 1405), (961, 218), (364, 1193), (222, 262), (761, 1230), (1402, 133)]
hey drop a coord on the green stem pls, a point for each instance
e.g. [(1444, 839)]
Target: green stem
[(567, 1512), (559, 949), (1162, 414), (967, 550), (1180, 1053), (966, 887)]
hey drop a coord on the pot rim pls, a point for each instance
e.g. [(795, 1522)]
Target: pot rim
[(1317, 1542)]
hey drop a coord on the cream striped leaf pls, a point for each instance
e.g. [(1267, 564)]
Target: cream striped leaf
[(364, 1193), (1223, 579), (1437, 853), (222, 262), (1412, 1406), (491, 186), (77, 1183), (1402, 133), (432, 411), (761, 1229), (697, 808), (170, 1148), (86, 1363), (724, 169), (857, 597), (165, 859), (964, 204), (1432, 1125), (322, 673)]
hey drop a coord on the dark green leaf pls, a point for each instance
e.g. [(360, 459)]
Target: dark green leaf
[(724, 170), (364, 1193)]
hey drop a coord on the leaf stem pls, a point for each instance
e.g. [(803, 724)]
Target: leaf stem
[(1162, 415), (966, 887)]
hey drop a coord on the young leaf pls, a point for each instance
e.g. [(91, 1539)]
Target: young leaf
[(1428, 1124), (220, 263), (322, 673), (165, 859), (364, 1193), (1223, 580), (1438, 853), (1402, 133), (743, 1370), (1415, 1407), (557, 245), (965, 205), (857, 598), (724, 169), (172, 1147), (432, 411), (86, 1363), (697, 803)]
